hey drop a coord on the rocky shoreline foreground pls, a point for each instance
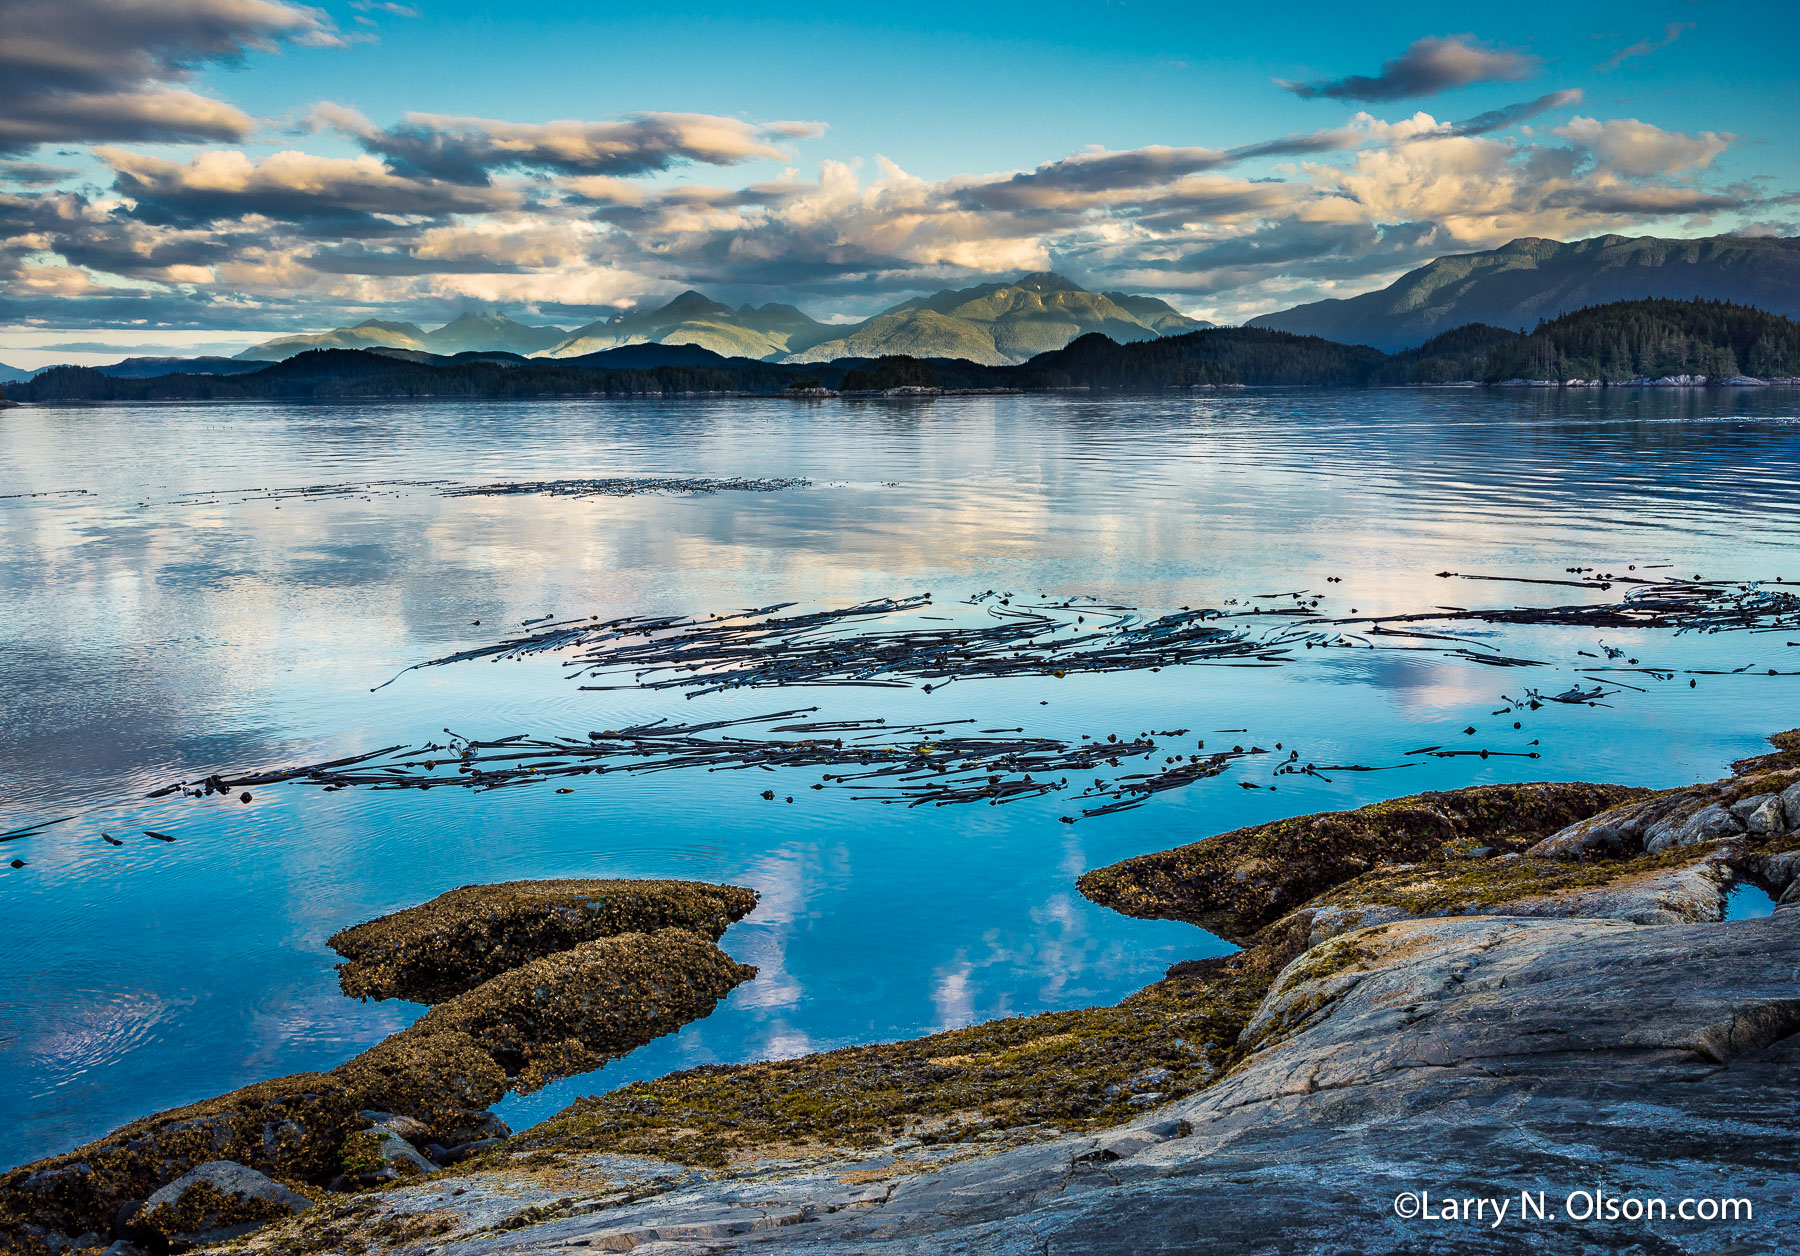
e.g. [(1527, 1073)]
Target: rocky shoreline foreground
[(1498, 1019)]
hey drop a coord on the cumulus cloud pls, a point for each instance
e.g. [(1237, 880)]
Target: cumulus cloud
[(1644, 47), (1630, 147), (1427, 67), (470, 150), (105, 70), (224, 239)]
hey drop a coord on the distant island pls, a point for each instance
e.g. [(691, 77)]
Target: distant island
[(1626, 342)]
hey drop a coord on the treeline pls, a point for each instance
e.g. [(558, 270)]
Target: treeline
[(1622, 341), (1651, 339), (328, 373)]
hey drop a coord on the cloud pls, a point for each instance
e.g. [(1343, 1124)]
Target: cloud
[(1644, 47), (33, 173), (470, 150), (1427, 67), (294, 239), (1511, 115), (291, 186), (104, 70), (385, 6), (1630, 147)]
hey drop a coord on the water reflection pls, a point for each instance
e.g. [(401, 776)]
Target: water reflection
[(148, 637)]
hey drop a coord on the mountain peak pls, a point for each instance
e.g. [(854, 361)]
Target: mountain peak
[(692, 303), (1047, 281)]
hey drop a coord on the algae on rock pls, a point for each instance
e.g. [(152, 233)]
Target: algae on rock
[(461, 938)]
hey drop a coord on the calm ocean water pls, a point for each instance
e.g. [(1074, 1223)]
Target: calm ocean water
[(163, 615)]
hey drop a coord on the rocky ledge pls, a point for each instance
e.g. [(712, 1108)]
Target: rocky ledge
[(1501, 995)]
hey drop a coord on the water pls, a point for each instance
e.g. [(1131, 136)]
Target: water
[(155, 629)]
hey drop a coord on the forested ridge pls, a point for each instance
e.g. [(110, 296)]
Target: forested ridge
[(1616, 343)]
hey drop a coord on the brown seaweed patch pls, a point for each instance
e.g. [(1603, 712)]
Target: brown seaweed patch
[(1239, 882), (459, 939), (570, 1012)]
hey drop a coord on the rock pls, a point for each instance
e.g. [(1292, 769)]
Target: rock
[(1239, 882), (379, 1155), (462, 938), (463, 1151), (412, 1130), (219, 1200), (1706, 823), (1467, 1056), (1790, 806), (1760, 814), (477, 1127), (124, 1247), (570, 1012)]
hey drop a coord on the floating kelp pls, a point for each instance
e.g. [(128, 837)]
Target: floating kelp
[(1681, 605), (628, 486), (889, 642), (843, 646), (303, 492), (459, 939), (913, 764)]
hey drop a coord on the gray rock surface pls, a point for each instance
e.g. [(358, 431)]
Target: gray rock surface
[(1458, 1058), (231, 1191)]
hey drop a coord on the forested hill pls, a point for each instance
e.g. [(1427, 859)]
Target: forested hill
[(1651, 339), (1629, 340)]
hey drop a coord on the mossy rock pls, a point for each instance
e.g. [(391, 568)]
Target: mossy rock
[(288, 1128), (459, 939), (1071, 1070), (1786, 756), (571, 1012), (1239, 882)]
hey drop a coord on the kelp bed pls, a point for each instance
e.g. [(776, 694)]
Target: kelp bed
[(913, 764), (861, 645), (605, 486), (900, 643), (626, 486)]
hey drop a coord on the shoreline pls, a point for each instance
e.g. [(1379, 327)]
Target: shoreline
[(1318, 903)]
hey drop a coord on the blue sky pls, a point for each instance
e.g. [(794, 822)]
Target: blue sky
[(226, 169)]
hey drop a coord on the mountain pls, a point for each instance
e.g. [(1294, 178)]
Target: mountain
[(1518, 284), (467, 332), (471, 332), (14, 374), (749, 331), (144, 368), (998, 324)]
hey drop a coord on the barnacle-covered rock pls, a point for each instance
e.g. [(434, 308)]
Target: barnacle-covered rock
[(459, 939)]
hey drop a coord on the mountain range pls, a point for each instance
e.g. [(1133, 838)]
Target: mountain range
[(469, 332), (1513, 287), (995, 324), (1518, 284), (1001, 324)]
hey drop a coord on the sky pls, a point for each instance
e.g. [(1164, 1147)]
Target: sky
[(187, 176)]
